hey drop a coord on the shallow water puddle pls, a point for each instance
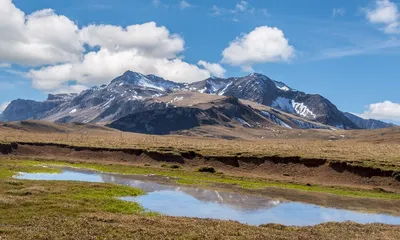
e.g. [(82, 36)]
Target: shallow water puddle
[(185, 201)]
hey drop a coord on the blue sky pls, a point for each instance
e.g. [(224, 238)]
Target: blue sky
[(347, 51)]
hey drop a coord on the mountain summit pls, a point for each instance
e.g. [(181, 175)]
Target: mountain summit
[(134, 92)]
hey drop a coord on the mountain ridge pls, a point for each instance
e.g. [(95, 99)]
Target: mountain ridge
[(134, 92), (368, 123)]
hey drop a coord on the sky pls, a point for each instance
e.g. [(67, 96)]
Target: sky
[(347, 51)]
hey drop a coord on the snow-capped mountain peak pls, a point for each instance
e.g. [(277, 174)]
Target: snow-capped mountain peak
[(283, 86), (145, 81), (132, 92)]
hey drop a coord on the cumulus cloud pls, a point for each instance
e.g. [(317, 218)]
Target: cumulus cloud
[(102, 66), (386, 110), (263, 44), (214, 68), (147, 38), (42, 37), (386, 13), (63, 53), (70, 89), (3, 106)]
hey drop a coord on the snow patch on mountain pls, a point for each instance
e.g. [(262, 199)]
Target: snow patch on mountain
[(275, 119), (302, 110), (149, 81), (283, 104), (306, 125), (106, 105), (282, 86), (215, 87), (243, 122), (222, 92), (203, 90)]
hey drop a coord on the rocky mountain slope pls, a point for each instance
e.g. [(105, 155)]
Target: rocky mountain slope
[(124, 95), (368, 123), (133, 93), (22, 109), (225, 112), (261, 89)]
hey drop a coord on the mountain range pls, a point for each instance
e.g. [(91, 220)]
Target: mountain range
[(151, 104)]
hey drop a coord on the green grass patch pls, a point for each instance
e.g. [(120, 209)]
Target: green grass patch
[(105, 197), (9, 168), (67, 197), (198, 178)]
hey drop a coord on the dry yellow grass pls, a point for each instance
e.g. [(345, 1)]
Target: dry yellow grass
[(369, 148), (78, 210)]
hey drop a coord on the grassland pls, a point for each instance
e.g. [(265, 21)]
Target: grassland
[(198, 178), (72, 210), (380, 149)]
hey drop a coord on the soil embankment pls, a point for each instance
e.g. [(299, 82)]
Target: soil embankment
[(7, 148), (290, 169)]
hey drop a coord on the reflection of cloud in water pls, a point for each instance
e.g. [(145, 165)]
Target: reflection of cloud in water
[(193, 202), (235, 200)]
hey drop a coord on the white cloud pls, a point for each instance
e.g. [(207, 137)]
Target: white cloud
[(5, 65), (90, 55), (263, 44), (184, 4), (214, 68), (386, 13), (215, 11), (3, 106), (70, 89), (242, 6), (338, 12), (386, 110), (42, 37), (51, 77), (102, 66), (148, 38)]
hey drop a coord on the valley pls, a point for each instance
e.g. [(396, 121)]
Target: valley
[(121, 155)]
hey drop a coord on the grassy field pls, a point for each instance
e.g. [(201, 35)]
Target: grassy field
[(198, 178), (72, 210), (370, 148)]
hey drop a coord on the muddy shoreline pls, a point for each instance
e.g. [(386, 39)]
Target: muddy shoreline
[(318, 171)]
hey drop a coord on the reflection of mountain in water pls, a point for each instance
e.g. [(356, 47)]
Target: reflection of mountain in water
[(235, 200)]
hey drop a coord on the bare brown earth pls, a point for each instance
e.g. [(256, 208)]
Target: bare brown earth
[(380, 147), (362, 159), (305, 171)]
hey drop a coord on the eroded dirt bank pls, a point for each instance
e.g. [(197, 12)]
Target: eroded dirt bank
[(290, 169), (7, 148)]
